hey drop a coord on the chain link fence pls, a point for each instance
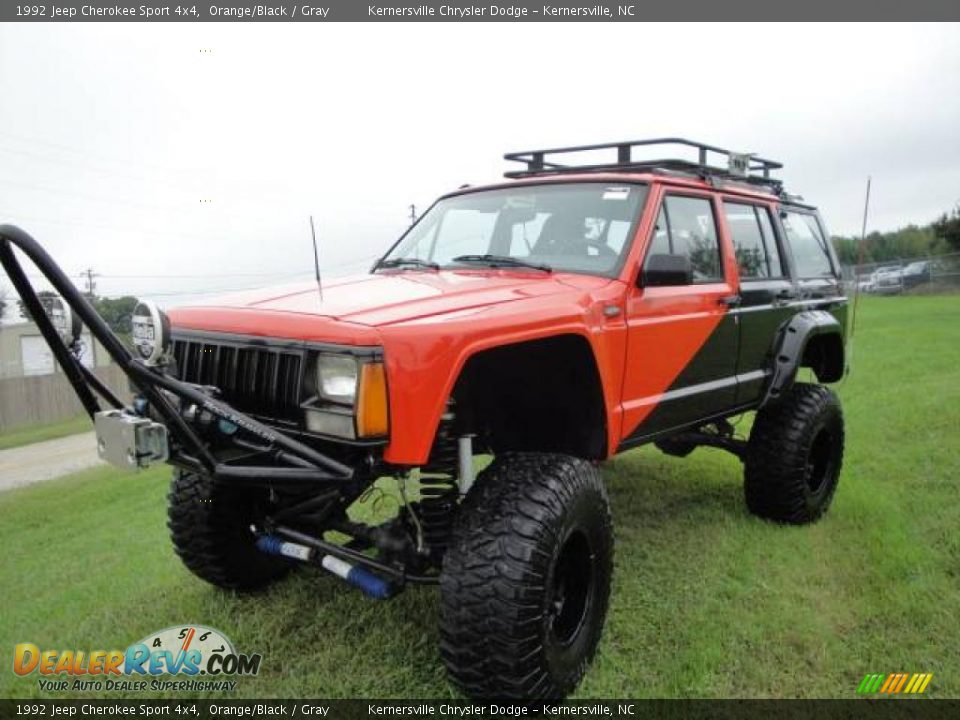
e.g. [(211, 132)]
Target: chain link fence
[(918, 275)]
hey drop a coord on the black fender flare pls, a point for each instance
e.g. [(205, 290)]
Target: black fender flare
[(790, 346)]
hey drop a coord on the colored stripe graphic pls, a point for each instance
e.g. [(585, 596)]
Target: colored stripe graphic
[(895, 683)]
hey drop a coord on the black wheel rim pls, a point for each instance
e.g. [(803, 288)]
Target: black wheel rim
[(572, 589), (820, 461)]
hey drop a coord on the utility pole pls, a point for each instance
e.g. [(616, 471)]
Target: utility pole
[(413, 214), (89, 274)]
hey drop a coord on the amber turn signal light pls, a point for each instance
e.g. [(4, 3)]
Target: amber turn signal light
[(372, 412)]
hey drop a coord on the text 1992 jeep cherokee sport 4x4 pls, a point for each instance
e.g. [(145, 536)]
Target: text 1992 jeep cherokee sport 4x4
[(551, 321)]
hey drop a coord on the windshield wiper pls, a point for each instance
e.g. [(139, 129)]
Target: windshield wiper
[(407, 262), (501, 261)]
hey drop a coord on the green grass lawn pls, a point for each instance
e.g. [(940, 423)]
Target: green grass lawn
[(707, 601), (28, 434)]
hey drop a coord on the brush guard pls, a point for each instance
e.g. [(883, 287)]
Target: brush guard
[(156, 428), (131, 436)]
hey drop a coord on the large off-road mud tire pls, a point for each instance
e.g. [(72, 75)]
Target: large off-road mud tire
[(794, 456), (526, 581), (210, 526)]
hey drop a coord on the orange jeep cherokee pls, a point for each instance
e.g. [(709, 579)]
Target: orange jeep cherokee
[(551, 321)]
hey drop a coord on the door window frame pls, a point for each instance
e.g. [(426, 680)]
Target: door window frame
[(712, 199)]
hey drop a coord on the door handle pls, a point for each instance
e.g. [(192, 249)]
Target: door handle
[(729, 300), (784, 297)]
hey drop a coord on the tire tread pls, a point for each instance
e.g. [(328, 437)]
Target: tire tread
[(774, 480), (494, 575)]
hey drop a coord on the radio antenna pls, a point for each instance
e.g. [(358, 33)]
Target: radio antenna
[(863, 240), (316, 257)]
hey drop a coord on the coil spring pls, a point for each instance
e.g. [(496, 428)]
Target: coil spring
[(443, 454), (437, 506), (439, 492)]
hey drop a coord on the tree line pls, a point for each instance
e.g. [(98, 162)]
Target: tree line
[(940, 237), (117, 312)]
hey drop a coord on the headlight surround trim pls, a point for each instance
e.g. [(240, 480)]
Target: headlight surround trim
[(346, 384)]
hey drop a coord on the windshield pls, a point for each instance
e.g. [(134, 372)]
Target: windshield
[(582, 228)]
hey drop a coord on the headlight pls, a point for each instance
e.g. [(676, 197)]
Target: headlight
[(356, 405), (337, 378)]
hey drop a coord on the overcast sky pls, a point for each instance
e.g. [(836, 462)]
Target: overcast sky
[(125, 148)]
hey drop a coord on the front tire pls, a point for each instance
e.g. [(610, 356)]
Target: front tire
[(794, 456), (526, 581), (210, 527)]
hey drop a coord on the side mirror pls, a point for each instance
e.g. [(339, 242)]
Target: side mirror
[(661, 270)]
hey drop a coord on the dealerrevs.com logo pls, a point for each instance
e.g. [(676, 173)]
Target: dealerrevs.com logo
[(180, 650)]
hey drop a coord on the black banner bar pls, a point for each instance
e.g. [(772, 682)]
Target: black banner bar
[(919, 709), (187, 11)]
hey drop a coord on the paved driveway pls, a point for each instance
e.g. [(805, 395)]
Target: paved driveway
[(45, 460)]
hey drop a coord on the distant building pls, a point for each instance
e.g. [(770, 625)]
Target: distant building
[(24, 352)]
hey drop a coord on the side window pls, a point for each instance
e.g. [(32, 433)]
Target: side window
[(770, 242), (691, 230), (807, 244), (753, 241)]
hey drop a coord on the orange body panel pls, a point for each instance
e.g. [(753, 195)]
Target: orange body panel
[(430, 323), (668, 325)]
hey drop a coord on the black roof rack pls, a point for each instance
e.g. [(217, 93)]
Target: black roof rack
[(742, 167)]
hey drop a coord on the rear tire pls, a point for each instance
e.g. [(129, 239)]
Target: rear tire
[(794, 456), (210, 527), (526, 581)]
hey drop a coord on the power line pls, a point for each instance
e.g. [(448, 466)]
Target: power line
[(99, 156), (177, 186), (85, 167), (73, 222), (218, 291), (280, 273), (112, 228), (92, 197)]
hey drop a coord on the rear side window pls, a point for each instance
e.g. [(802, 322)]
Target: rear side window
[(753, 241), (686, 226), (807, 244)]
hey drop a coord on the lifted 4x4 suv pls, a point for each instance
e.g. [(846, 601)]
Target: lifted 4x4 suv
[(551, 321)]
